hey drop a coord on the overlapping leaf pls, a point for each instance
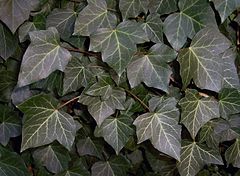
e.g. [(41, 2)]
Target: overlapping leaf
[(63, 20), (11, 164), (8, 42), (197, 111), (193, 16), (230, 75), (229, 101), (10, 124), (232, 154), (132, 8), (54, 157), (92, 17), (118, 45), (14, 12), (226, 7), (116, 131), (152, 69), (43, 56), (154, 28), (194, 156), (162, 6), (24, 29), (44, 123), (75, 171), (161, 127), (201, 61), (116, 166)]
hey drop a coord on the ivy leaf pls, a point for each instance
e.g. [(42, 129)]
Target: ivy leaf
[(10, 124), (77, 74), (194, 156), (63, 20), (54, 157), (132, 8), (230, 75), (116, 166), (8, 42), (116, 131), (24, 30), (118, 45), (226, 7), (75, 171), (193, 16), (197, 111), (161, 127), (12, 164), (51, 124), (92, 17), (153, 28), (232, 154), (229, 101), (18, 11), (163, 6), (152, 69), (201, 61), (89, 146), (43, 56)]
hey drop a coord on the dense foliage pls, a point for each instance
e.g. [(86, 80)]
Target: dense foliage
[(119, 87)]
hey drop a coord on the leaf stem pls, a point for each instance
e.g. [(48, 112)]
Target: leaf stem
[(138, 99), (69, 101), (89, 53)]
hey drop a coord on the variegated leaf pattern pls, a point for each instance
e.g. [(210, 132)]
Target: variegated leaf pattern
[(43, 56), (194, 156), (92, 17), (185, 24), (44, 123), (202, 62), (118, 45), (161, 127), (197, 111)]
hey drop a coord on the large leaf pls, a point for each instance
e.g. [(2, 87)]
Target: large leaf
[(118, 45), (10, 124), (43, 56), (161, 127), (232, 154), (193, 16), (14, 12), (152, 68), (116, 166), (226, 7), (44, 123), (163, 6), (194, 156), (116, 131), (92, 17), (201, 61), (132, 8), (8, 42), (54, 157), (63, 20), (197, 111), (229, 101), (11, 164)]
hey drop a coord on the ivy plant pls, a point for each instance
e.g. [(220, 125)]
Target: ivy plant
[(119, 87)]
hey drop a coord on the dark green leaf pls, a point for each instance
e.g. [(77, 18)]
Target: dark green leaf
[(161, 127), (118, 45), (197, 111), (43, 56), (54, 157), (75, 171), (232, 154), (194, 156), (116, 131), (10, 124), (193, 16), (152, 69), (201, 61), (163, 6), (44, 123)]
